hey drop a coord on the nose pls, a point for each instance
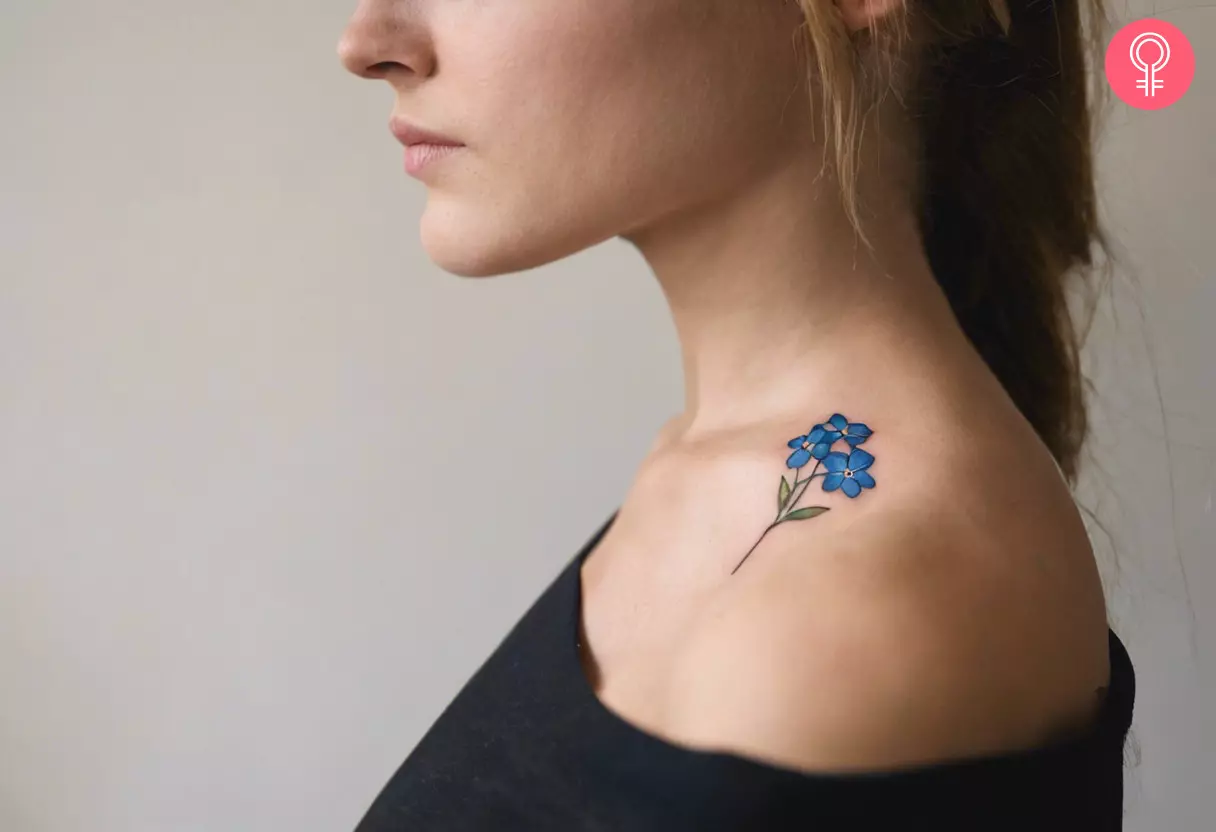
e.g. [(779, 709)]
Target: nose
[(385, 37)]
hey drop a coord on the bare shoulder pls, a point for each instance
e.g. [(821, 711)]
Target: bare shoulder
[(957, 618)]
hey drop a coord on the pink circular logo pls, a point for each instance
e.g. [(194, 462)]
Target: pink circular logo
[(1150, 64)]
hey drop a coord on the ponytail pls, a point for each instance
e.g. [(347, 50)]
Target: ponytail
[(1007, 202)]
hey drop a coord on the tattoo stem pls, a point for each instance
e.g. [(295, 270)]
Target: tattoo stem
[(789, 504), (771, 526), (806, 483)]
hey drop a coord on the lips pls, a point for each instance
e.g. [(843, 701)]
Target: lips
[(411, 134), (419, 156)]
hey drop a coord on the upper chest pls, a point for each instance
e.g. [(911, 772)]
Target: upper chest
[(635, 621)]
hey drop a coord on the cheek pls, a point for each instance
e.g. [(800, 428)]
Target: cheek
[(583, 125), (565, 134)]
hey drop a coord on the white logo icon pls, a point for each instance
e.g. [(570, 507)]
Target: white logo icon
[(1150, 83)]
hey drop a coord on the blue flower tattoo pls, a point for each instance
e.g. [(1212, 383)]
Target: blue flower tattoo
[(818, 442), (809, 445), (838, 427), (847, 473)]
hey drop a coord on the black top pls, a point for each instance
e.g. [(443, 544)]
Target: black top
[(527, 745)]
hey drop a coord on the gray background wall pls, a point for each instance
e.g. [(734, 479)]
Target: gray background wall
[(272, 485)]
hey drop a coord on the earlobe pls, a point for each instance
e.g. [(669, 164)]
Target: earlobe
[(862, 14)]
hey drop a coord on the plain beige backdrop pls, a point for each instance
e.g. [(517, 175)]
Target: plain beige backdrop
[(272, 485)]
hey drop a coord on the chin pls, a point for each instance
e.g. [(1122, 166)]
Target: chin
[(470, 249), (455, 243)]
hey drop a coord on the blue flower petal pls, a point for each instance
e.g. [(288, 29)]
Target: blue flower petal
[(839, 422), (864, 479), (798, 458), (821, 450), (832, 481), (816, 435), (859, 460), (836, 463), (850, 487), (858, 433), (796, 441)]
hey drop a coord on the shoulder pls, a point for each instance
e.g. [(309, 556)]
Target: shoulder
[(896, 633)]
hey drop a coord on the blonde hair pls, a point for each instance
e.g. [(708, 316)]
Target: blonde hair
[(999, 100)]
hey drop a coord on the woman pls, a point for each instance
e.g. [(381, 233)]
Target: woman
[(848, 587)]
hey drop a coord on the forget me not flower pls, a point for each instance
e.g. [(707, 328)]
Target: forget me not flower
[(814, 444), (848, 473), (839, 427)]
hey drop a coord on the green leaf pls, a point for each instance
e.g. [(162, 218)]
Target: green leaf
[(804, 513), (783, 494)]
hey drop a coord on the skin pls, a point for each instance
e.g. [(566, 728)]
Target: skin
[(928, 618)]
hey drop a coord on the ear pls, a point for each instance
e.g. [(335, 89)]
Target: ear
[(861, 14)]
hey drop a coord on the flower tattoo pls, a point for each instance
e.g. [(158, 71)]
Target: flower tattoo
[(846, 472)]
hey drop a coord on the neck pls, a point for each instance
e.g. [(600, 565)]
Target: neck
[(781, 312)]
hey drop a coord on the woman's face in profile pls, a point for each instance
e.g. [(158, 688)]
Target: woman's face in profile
[(581, 119)]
